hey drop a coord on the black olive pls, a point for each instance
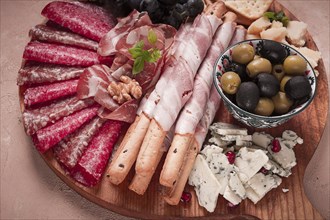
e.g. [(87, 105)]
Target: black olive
[(247, 96), (268, 84), (240, 69), (298, 87), (272, 50)]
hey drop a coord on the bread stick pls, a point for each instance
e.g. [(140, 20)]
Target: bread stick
[(128, 150)]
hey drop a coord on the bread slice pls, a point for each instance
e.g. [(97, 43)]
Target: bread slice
[(251, 9)]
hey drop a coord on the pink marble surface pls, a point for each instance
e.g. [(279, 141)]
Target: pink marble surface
[(30, 190)]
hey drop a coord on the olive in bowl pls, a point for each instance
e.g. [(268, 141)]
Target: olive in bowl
[(269, 96)]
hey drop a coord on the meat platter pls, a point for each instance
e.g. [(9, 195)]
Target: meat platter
[(274, 205)]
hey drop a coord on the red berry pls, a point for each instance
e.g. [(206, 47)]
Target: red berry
[(263, 170), (231, 156), (185, 197), (276, 146)]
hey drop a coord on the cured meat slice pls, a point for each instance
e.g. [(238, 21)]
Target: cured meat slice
[(69, 151), (46, 73), (47, 137), (126, 112), (36, 119), (62, 54), (135, 19), (86, 20), (52, 35), (44, 93), (91, 165)]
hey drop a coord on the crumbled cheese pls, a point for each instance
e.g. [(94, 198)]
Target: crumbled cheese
[(296, 31)]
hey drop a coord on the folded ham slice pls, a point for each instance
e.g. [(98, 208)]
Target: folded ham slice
[(194, 108)]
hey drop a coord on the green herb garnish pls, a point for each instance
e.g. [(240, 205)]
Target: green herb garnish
[(141, 55), (280, 16)]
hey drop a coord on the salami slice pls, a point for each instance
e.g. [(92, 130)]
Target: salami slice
[(36, 119), (44, 93), (86, 20), (91, 165), (62, 54), (46, 73), (49, 136), (52, 35), (70, 150)]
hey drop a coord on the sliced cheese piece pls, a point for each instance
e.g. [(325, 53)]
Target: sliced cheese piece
[(216, 139), (249, 163), (277, 169), (285, 157), (209, 150), (231, 137), (275, 34), (236, 185), (262, 139), (312, 56), (262, 184), (259, 25), (252, 195), (252, 36), (296, 31), (227, 129), (276, 24), (230, 196), (205, 184)]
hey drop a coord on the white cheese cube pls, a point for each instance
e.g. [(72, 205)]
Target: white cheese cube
[(262, 139), (205, 184), (296, 31), (249, 163)]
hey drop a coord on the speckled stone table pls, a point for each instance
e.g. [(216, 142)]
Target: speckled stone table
[(30, 190)]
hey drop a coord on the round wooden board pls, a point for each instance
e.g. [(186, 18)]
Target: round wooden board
[(275, 205)]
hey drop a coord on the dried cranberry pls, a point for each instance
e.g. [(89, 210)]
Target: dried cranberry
[(231, 156), (276, 146), (264, 170), (185, 197)]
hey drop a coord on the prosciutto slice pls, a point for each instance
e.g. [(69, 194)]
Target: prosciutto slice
[(46, 73), (44, 93), (35, 119), (179, 90), (108, 43), (194, 108), (126, 112), (69, 151), (52, 35), (91, 165), (84, 19), (47, 137), (63, 55)]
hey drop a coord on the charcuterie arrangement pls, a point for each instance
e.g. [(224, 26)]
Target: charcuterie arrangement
[(108, 95)]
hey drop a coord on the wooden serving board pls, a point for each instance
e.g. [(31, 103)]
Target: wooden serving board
[(275, 205)]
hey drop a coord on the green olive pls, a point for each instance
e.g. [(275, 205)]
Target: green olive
[(265, 107), (243, 53), (284, 80), (259, 65), (282, 103), (230, 82), (294, 65), (278, 71)]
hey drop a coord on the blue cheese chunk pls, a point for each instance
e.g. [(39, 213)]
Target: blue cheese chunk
[(236, 185), (262, 184), (210, 150), (216, 139), (249, 163), (231, 196), (222, 128), (277, 169), (205, 184), (262, 139), (285, 157)]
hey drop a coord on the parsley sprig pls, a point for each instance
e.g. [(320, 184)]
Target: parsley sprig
[(140, 55), (280, 16)]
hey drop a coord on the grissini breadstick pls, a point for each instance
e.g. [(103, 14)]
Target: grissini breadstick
[(128, 150), (194, 108), (174, 195), (178, 92)]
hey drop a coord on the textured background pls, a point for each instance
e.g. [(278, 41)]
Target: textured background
[(30, 190)]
